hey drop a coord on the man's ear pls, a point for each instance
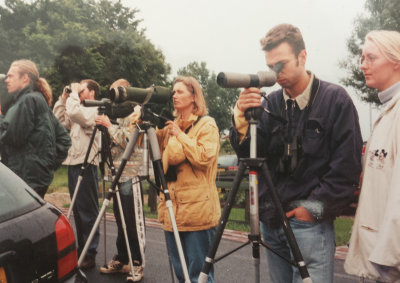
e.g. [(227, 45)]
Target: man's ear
[(303, 57), (26, 79), (92, 94)]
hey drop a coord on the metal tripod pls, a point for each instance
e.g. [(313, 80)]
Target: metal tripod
[(256, 165), (156, 157), (106, 145), (84, 166)]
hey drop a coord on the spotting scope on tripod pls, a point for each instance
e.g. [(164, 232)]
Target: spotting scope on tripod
[(258, 166), (142, 97)]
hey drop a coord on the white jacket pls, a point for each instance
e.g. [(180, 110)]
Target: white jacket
[(80, 121), (375, 239)]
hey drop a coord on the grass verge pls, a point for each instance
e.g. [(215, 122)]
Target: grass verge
[(236, 217)]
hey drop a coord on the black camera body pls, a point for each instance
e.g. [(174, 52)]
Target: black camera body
[(67, 89)]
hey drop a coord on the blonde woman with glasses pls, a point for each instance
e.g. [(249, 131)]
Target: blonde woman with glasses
[(374, 251)]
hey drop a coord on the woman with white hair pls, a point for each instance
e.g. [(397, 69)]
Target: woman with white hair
[(374, 250)]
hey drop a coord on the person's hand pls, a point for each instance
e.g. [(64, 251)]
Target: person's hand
[(163, 122), (301, 214), (249, 97), (75, 87), (103, 120), (173, 128), (65, 93)]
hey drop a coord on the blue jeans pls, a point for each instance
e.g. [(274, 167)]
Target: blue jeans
[(317, 245), (195, 247), (86, 207)]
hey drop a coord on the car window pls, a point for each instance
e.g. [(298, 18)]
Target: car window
[(16, 198), (227, 160)]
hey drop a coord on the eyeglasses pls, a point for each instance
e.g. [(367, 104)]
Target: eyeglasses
[(368, 60)]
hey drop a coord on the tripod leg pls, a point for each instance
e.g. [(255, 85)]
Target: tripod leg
[(222, 223), (254, 223), (123, 223), (286, 227), (105, 225), (91, 235), (127, 153), (155, 150), (78, 184), (83, 168), (137, 198)]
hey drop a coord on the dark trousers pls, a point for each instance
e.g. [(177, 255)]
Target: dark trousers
[(86, 207), (128, 208), (41, 191)]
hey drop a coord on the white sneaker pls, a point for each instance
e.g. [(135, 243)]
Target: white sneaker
[(138, 274), (115, 266)]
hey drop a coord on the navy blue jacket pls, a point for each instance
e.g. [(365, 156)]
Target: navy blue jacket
[(331, 144)]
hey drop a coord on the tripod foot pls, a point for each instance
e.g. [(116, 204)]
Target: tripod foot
[(203, 277)]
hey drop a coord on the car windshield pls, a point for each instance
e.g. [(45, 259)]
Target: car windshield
[(16, 198), (227, 160)]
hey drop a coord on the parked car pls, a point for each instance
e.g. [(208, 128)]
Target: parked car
[(226, 172), (37, 242), (227, 163)]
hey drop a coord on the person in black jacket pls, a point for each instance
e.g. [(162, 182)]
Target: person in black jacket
[(314, 158), (33, 142)]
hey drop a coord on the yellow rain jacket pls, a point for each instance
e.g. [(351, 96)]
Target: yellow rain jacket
[(194, 194)]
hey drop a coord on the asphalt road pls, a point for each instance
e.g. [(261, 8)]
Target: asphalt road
[(237, 267)]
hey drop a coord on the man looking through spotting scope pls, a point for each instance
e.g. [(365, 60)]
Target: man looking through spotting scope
[(130, 190), (80, 121), (314, 158), (190, 146)]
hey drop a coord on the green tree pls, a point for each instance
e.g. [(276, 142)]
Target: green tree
[(220, 101), (75, 39), (380, 14)]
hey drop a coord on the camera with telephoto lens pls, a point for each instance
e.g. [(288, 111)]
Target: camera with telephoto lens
[(67, 89)]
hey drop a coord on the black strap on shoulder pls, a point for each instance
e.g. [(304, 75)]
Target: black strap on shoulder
[(313, 96), (194, 123)]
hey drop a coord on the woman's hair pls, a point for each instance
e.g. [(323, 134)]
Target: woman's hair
[(120, 82), (37, 83), (200, 108), (388, 42)]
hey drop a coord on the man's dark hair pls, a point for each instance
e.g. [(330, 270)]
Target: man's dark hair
[(92, 85), (283, 33)]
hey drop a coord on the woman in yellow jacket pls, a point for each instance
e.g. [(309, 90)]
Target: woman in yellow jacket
[(190, 146)]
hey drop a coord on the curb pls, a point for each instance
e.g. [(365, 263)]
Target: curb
[(233, 235)]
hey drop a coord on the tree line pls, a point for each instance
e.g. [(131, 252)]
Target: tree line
[(71, 40)]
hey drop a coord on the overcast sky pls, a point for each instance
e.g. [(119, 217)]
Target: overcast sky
[(226, 33)]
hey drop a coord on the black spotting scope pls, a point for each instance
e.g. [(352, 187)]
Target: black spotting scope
[(112, 110), (153, 94)]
